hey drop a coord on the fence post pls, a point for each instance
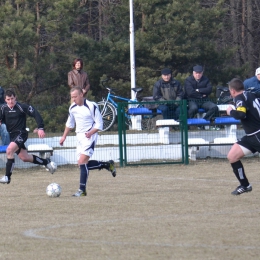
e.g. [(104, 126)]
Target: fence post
[(185, 132), (120, 135)]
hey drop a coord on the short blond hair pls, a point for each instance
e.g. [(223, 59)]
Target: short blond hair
[(79, 89)]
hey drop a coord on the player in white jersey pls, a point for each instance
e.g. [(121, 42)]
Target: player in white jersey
[(88, 120)]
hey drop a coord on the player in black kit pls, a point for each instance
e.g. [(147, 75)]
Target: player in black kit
[(13, 114), (247, 109)]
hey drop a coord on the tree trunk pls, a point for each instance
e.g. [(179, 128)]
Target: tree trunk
[(235, 35)]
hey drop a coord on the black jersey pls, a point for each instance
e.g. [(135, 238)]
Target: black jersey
[(15, 118), (248, 111)]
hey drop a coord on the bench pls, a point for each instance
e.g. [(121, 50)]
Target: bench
[(44, 150), (136, 114), (164, 129), (194, 143), (229, 122), (143, 111), (3, 148)]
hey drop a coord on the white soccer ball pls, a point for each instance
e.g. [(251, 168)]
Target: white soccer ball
[(53, 190)]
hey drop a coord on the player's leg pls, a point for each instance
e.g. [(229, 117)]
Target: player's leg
[(99, 165), (26, 157), (10, 151), (85, 150), (237, 152), (84, 172)]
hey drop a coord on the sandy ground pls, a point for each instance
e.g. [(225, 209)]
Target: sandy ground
[(159, 212)]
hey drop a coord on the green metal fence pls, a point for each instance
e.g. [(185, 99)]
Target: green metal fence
[(149, 143), (144, 146)]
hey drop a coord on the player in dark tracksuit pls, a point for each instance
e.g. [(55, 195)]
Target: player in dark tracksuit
[(14, 114), (247, 109)]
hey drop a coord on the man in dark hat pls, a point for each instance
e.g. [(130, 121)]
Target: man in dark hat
[(197, 90), (168, 88)]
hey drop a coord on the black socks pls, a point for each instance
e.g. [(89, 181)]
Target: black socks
[(40, 161), (83, 177), (9, 168), (238, 169)]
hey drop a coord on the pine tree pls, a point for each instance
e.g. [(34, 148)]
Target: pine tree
[(33, 45)]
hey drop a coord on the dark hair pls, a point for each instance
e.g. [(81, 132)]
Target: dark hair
[(236, 84), (9, 92), (75, 61)]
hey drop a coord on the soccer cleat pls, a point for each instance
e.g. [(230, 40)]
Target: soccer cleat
[(241, 189), (5, 180), (51, 166), (80, 193), (112, 168)]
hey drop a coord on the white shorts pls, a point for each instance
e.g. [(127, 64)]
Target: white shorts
[(86, 145)]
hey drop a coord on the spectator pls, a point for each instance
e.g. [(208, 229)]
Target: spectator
[(167, 88), (253, 82), (3, 131), (197, 90), (77, 77)]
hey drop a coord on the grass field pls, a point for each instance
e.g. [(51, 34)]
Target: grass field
[(162, 212)]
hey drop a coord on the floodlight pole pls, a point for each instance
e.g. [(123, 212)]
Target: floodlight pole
[(132, 48)]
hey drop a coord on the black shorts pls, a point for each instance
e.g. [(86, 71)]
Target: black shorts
[(19, 138), (251, 142)]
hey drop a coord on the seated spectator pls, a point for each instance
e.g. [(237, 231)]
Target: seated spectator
[(4, 135), (3, 131), (197, 90), (168, 88), (253, 82)]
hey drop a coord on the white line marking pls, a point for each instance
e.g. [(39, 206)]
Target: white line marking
[(32, 233)]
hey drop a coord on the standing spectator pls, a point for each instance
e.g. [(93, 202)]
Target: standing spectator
[(168, 88), (197, 89), (14, 115), (88, 120), (247, 109), (253, 82), (77, 77), (3, 131)]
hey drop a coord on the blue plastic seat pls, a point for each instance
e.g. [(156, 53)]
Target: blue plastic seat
[(3, 148), (226, 120), (197, 121), (139, 111), (142, 111)]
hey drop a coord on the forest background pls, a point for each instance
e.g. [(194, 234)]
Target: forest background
[(40, 39)]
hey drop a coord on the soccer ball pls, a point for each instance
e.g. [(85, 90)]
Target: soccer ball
[(53, 190)]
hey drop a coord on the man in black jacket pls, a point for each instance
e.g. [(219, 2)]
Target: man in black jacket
[(168, 88), (197, 89)]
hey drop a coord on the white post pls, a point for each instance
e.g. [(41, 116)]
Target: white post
[(132, 48)]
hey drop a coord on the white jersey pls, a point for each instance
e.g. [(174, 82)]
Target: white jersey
[(85, 117)]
